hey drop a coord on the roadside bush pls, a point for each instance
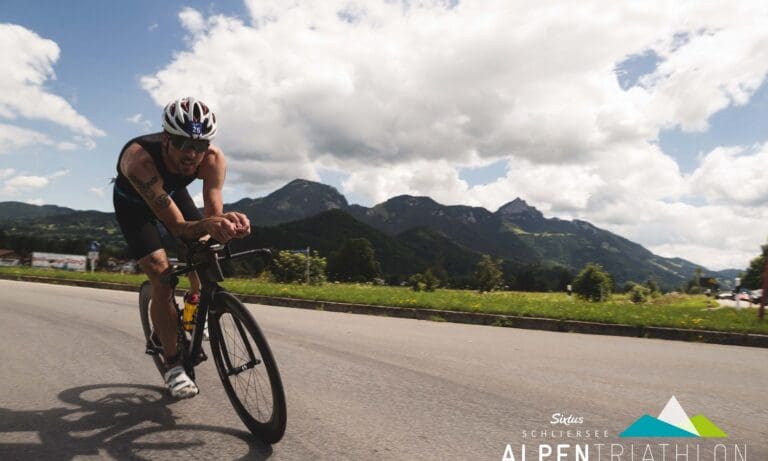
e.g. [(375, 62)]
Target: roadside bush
[(291, 267), (416, 282), (431, 282), (424, 282), (639, 294), (593, 283)]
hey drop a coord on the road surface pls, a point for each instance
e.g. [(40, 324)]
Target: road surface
[(76, 385)]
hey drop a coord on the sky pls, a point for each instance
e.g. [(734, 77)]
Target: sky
[(648, 119)]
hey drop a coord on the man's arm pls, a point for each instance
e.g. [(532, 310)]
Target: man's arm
[(138, 166), (213, 172)]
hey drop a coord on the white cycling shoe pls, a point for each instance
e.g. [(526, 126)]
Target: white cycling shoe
[(179, 383)]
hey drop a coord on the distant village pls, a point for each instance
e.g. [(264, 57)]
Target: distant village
[(80, 263)]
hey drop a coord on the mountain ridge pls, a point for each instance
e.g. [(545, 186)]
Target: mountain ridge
[(516, 232)]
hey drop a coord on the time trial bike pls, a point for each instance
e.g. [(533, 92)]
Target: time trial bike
[(244, 361)]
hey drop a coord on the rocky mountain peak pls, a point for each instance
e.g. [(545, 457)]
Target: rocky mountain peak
[(302, 191), (518, 208), (411, 201)]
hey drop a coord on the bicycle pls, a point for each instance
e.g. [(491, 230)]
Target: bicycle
[(240, 350)]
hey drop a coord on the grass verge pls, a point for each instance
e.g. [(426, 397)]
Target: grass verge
[(676, 311)]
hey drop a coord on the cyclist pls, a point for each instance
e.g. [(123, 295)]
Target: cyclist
[(153, 172)]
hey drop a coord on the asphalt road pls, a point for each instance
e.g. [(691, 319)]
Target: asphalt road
[(75, 384)]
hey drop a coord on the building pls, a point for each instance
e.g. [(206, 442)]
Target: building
[(9, 258)]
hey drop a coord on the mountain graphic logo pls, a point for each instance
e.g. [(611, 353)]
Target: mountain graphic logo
[(673, 422)]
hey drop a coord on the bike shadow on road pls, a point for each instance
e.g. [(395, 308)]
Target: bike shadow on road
[(124, 421)]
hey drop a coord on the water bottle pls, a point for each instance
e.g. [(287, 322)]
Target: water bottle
[(188, 316)]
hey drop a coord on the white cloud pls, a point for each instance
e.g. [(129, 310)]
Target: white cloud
[(58, 174), (198, 199), (192, 21), (36, 201), (85, 142), (139, 119), (97, 191), (13, 137), (18, 183), (66, 145), (5, 172), (23, 182), (27, 62), (400, 95), (732, 176), (153, 27)]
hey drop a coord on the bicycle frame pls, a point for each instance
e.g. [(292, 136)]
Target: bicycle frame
[(210, 276)]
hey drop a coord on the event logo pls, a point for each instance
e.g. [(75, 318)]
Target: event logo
[(673, 422)]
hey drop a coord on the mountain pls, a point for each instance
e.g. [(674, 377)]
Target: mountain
[(410, 233), (400, 256), (56, 223), (18, 210), (296, 200)]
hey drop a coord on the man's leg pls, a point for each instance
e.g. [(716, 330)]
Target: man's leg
[(162, 311), (165, 321), (194, 283)]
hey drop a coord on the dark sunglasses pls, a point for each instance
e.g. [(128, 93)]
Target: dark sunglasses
[(185, 144)]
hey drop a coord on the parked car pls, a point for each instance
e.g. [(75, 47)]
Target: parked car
[(744, 296), (756, 296), (725, 294)]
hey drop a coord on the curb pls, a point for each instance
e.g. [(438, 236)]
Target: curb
[(475, 318)]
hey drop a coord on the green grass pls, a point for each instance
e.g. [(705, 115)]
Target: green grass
[(680, 311)]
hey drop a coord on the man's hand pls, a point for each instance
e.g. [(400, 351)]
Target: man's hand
[(220, 228), (241, 223)]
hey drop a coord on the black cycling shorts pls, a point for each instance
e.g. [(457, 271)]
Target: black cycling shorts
[(140, 225)]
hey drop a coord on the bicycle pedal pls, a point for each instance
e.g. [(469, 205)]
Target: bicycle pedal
[(153, 350)]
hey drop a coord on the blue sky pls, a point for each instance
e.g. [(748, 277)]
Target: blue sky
[(655, 131), (105, 48)]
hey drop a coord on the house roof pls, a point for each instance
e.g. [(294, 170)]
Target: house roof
[(8, 253)]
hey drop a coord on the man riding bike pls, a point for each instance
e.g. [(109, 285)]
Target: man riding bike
[(153, 172)]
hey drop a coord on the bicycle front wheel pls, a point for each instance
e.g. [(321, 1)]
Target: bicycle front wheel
[(247, 368)]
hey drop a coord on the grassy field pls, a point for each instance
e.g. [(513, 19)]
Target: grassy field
[(681, 311)]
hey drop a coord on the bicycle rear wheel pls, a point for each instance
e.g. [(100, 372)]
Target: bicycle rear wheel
[(247, 368)]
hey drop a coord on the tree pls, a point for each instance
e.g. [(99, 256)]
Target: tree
[(694, 285), (292, 267), (424, 282), (652, 286), (753, 278), (593, 283), (355, 262), (488, 274)]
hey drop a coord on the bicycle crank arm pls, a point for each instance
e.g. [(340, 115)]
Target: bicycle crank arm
[(237, 370)]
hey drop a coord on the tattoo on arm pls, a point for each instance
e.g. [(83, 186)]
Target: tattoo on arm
[(144, 187), (163, 202), (192, 230)]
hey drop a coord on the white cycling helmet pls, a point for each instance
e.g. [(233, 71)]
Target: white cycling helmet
[(189, 117)]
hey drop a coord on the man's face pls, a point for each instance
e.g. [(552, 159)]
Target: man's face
[(185, 154)]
